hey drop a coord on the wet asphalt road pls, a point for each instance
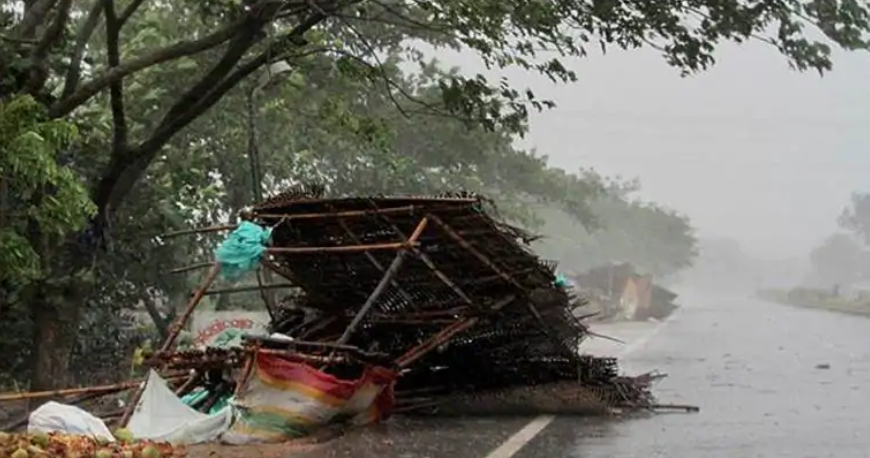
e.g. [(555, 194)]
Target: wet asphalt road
[(750, 365)]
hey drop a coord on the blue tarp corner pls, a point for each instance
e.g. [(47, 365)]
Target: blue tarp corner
[(240, 253)]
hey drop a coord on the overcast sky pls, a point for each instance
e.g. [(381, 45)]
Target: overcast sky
[(750, 150)]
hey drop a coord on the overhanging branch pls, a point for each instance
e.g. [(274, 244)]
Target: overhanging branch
[(33, 17), (128, 11), (75, 67), (116, 89), (39, 56), (175, 51), (124, 171)]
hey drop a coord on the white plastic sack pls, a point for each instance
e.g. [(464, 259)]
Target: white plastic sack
[(162, 416), (64, 418)]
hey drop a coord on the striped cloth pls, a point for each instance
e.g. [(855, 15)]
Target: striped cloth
[(284, 400)]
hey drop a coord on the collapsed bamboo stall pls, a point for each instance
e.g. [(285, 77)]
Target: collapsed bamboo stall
[(435, 286), (434, 292)]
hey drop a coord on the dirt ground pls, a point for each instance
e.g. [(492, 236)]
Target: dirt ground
[(298, 446), (250, 451)]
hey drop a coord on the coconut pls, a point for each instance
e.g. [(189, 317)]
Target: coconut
[(40, 439), (124, 435), (150, 451)]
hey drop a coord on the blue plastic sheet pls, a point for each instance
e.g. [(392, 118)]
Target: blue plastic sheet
[(240, 253), (561, 281)]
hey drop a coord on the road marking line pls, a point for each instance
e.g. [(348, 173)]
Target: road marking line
[(515, 443)]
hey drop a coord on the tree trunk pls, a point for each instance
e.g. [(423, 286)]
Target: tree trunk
[(55, 320), (56, 311)]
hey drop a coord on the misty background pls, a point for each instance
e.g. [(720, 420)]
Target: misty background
[(761, 158)]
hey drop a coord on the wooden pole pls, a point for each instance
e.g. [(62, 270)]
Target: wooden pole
[(445, 334), (506, 276), (431, 265), (370, 302), (69, 391), (292, 217), (189, 384), (201, 230), (372, 259), (173, 334), (181, 270), (249, 288), (474, 251), (246, 371), (386, 279), (338, 214), (336, 249), (191, 306)]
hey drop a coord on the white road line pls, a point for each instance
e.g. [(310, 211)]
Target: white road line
[(522, 437), (513, 444)]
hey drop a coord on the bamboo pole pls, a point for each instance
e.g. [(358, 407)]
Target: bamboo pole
[(181, 270), (370, 302), (385, 281), (442, 336), (373, 260), (442, 276), (687, 408), (446, 334), (475, 252), (243, 289), (188, 385), (292, 217), (191, 306), (305, 343), (486, 261), (200, 230), (339, 214), (430, 314), (431, 265), (173, 334), (336, 249), (246, 372), (412, 240), (68, 391), (302, 357)]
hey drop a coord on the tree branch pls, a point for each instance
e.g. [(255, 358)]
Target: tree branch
[(124, 172), (38, 70), (128, 12), (74, 70), (116, 89), (237, 48), (33, 17), (172, 52), (160, 322)]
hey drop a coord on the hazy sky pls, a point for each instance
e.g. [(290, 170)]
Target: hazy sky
[(750, 150)]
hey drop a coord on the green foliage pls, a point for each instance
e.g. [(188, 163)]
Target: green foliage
[(652, 238), (44, 200), (839, 260)]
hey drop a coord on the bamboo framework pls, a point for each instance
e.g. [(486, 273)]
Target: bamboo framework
[(411, 283), (433, 288)]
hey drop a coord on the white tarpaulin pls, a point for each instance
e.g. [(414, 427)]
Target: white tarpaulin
[(162, 416), (63, 418)]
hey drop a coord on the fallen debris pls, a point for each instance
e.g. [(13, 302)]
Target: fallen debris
[(618, 293), (56, 445), (424, 305)]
